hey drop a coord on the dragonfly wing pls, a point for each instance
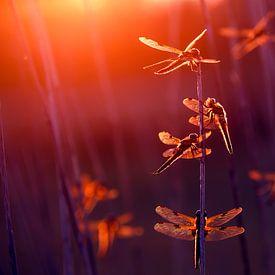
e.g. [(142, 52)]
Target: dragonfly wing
[(208, 123), (192, 43), (168, 139), (206, 134), (223, 218), (211, 61), (176, 231), (264, 21), (127, 231), (255, 175), (174, 216), (222, 233), (232, 32), (172, 67), (158, 63), (193, 104), (191, 153), (153, 44), (169, 152), (125, 218)]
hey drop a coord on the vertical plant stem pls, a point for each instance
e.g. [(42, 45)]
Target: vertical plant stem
[(202, 174), (7, 208)]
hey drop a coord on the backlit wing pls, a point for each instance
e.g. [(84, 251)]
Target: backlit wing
[(193, 104), (169, 152), (223, 218), (210, 61), (255, 175), (168, 139), (264, 21), (126, 231), (158, 63), (125, 218), (207, 135), (232, 32), (222, 233), (208, 123), (176, 231), (174, 217), (192, 43), (153, 44), (172, 67), (191, 154)]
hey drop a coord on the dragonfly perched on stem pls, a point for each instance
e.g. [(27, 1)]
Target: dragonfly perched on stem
[(267, 188), (190, 56), (186, 148), (187, 228), (251, 38), (214, 117), (110, 228)]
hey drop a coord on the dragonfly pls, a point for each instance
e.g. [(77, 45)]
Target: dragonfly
[(267, 189), (190, 56), (251, 38), (110, 228), (89, 193), (183, 227), (186, 148), (214, 117)]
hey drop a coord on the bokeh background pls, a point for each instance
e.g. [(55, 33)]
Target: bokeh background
[(109, 112)]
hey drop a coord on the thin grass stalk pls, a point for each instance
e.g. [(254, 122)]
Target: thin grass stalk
[(48, 113), (253, 160), (232, 168), (7, 207), (242, 237), (202, 174)]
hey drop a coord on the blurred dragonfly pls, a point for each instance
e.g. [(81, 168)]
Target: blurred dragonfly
[(214, 117), (190, 56), (89, 193), (187, 228), (251, 38), (110, 228), (267, 188), (187, 148)]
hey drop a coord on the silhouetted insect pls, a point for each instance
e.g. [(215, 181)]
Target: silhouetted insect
[(267, 187), (251, 38), (187, 148), (110, 228), (214, 117), (187, 228), (190, 56)]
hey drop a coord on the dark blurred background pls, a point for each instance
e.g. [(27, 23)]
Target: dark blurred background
[(110, 111)]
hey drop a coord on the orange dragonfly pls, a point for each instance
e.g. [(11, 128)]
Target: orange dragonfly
[(268, 188), (187, 228), (251, 38), (110, 228), (90, 193), (187, 148), (190, 56), (214, 117)]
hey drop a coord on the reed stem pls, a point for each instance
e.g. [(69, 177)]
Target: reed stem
[(7, 208), (202, 174)]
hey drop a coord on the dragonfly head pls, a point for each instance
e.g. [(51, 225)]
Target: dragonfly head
[(193, 136), (209, 102), (195, 53)]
